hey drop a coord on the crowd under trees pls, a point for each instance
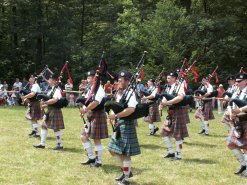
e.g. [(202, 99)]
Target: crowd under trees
[(35, 33)]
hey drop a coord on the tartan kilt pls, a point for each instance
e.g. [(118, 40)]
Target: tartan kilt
[(240, 143), (226, 119), (97, 124), (55, 118), (208, 111), (35, 111), (127, 144), (153, 115), (178, 128)]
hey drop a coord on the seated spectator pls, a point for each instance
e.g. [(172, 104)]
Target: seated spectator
[(68, 87), (108, 88), (71, 100)]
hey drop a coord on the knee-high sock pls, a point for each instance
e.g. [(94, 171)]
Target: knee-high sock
[(126, 169), (59, 137), (206, 126), (151, 127), (240, 156), (119, 160), (99, 152), (201, 122), (89, 149), (35, 126), (168, 144), (179, 144), (43, 135)]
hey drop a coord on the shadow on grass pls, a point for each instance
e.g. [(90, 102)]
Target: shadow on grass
[(148, 183), (199, 161), (200, 144), (150, 146), (72, 150)]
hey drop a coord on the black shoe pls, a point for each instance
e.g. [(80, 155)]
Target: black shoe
[(176, 158), (121, 177), (155, 130), (150, 134), (36, 135), (96, 165), (34, 132), (58, 147), (169, 155), (123, 182), (89, 161), (39, 146), (204, 134), (203, 131), (240, 170)]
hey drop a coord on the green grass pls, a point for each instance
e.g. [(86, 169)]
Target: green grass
[(206, 160)]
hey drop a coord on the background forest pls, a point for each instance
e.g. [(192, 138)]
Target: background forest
[(35, 33)]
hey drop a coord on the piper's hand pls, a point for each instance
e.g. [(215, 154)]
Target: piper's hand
[(83, 111), (144, 98), (23, 98), (160, 107), (236, 111), (164, 103), (112, 117)]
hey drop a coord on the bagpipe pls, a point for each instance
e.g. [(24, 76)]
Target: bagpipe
[(188, 99), (142, 109), (100, 72), (46, 73), (238, 102), (84, 101), (203, 92), (157, 85), (227, 94)]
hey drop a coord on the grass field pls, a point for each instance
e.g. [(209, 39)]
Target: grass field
[(206, 160)]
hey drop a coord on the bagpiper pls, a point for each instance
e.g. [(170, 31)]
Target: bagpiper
[(153, 115), (34, 112), (97, 128), (176, 122), (53, 118), (237, 139), (126, 145)]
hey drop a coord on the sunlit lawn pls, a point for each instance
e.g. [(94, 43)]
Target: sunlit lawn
[(206, 160)]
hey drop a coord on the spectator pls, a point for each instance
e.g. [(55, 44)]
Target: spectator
[(71, 100), (115, 87), (139, 88), (68, 87), (82, 86), (17, 87), (108, 88), (220, 90), (24, 83), (1, 85), (5, 87)]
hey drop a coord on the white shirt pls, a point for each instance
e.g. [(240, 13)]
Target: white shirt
[(17, 85), (35, 88), (132, 101), (68, 86), (209, 88), (57, 93), (241, 96), (153, 90), (99, 95), (179, 92)]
